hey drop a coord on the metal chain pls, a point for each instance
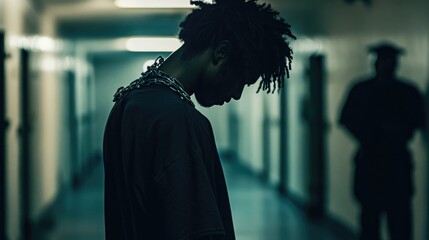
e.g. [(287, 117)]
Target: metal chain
[(153, 76)]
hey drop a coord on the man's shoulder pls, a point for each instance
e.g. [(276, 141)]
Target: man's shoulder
[(407, 85), (161, 104), (158, 98), (360, 85), (364, 82)]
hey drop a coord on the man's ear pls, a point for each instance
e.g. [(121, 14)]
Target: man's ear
[(222, 51)]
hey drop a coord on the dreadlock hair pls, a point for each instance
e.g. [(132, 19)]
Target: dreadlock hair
[(258, 34)]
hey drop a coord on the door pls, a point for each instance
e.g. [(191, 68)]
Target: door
[(282, 187), (316, 139), (24, 134), (73, 127), (266, 160), (233, 135), (3, 126)]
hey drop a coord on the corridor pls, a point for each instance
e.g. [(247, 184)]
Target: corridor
[(259, 212), (62, 61)]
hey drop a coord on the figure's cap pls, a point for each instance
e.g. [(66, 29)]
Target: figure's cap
[(386, 49)]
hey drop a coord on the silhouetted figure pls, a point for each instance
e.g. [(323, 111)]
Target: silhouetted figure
[(382, 113), (163, 177)]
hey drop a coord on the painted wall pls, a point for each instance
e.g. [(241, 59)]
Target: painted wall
[(2, 14), (298, 130), (46, 128), (49, 130), (13, 12), (272, 114), (249, 120), (84, 104)]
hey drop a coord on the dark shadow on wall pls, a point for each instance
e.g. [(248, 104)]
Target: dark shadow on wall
[(382, 113)]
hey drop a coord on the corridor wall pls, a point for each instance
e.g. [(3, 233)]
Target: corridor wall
[(298, 129), (29, 198), (249, 113), (2, 13), (14, 12)]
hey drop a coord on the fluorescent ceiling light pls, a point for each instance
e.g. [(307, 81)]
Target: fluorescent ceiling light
[(153, 44), (35, 43), (156, 3)]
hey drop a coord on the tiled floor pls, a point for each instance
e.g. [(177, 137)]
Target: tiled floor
[(259, 212)]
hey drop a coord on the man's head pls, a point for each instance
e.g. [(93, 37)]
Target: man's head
[(387, 59), (247, 41)]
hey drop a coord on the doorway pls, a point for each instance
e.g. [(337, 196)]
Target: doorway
[(73, 130), (317, 138), (24, 135), (3, 128)]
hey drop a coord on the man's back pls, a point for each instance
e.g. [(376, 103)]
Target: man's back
[(163, 178)]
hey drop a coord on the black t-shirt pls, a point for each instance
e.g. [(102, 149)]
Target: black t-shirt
[(163, 177)]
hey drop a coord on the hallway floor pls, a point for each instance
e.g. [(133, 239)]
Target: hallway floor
[(259, 212)]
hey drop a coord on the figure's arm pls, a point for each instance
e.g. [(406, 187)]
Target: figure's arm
[(422, 116), (364, 133), (351, 116), (416, 120), (422, 113)]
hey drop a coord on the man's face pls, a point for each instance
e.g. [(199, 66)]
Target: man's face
[(224, 83)]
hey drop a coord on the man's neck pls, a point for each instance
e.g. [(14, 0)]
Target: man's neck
[(186, 71)]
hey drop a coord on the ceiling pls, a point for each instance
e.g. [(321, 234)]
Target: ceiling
[(97, 24), (153, 24), (102, 19)]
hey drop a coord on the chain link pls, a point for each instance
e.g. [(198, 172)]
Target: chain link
[(153, 76)]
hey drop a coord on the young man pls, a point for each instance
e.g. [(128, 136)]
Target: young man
[(383, 113), (163, 177)]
